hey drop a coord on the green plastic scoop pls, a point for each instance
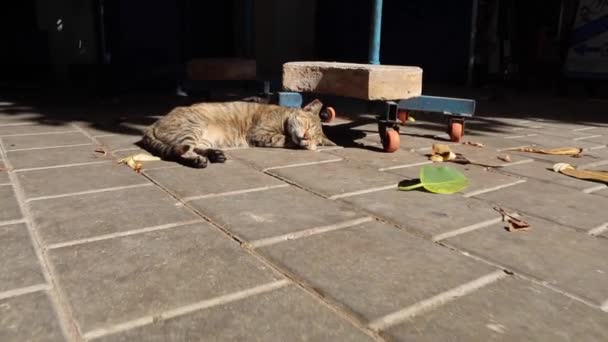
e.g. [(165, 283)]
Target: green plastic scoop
[(439, 180)]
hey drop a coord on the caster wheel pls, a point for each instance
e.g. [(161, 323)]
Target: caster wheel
[(328, 114), (402, 116), (456, 131), (391, 141)]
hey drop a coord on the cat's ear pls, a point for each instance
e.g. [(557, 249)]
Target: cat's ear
[(326, 142), (313, 107)]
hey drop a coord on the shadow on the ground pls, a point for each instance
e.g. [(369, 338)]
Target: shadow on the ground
[(131, 113)]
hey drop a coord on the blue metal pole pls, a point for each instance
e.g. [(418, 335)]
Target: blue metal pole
[(375, 33)]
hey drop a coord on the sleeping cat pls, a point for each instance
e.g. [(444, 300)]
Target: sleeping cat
[(195, 135)]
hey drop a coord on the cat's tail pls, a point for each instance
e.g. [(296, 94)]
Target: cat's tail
[(159, 148)]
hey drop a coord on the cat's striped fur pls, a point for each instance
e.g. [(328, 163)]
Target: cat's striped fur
[(195, 135)]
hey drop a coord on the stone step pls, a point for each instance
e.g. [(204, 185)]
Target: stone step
[(361, 81)]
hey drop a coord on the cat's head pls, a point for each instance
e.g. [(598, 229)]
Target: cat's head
[(305, 129)]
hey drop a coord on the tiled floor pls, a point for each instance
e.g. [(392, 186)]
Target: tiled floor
[(284, 245)]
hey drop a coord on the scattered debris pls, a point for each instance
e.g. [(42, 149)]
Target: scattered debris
[(3, 169), (101, 150), (439, 180), (135, 161), (515, 223), (442, 153), (473, 143), (506, 158), (410, 118), (564, 151), (591, 175), (436, 158)]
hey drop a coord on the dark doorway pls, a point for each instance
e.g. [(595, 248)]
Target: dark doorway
[(24, 53)]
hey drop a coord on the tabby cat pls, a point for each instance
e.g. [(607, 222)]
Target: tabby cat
[(195, 135)]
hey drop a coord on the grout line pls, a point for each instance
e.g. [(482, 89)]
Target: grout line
[(337, 309), (308, 232), (520, 136), (24, 290), (598, 230), (302, 164), (67, 323), (236, 192), (596, 147), (495, 188), (331, 148), (466, 229), (595, 188), (217, 301), (423, 149), (31, 134), (594, 164), (17, 124), (225, 299), (62, 166), (47, 147), (587, 137), (164, 167), (509, 270), (128, 149), (428, 304), (519, 162), (70, 194), (11, 222), (86, 133), (103, 135), (405, 166), (513, 149), (123, 234), (583, 129), (6, 184), (361, 192)]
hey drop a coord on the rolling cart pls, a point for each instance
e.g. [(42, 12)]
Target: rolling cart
[(391, 114)]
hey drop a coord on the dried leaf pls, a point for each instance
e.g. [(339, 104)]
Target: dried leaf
[(144, 157), (506, 158), (473, 143), (442, 151), (515, 223), (135, 161), (564, 151), (590, 175), (436, 158)]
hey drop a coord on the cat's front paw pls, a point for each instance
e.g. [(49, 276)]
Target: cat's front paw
[(216, 156), (199, 162)]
